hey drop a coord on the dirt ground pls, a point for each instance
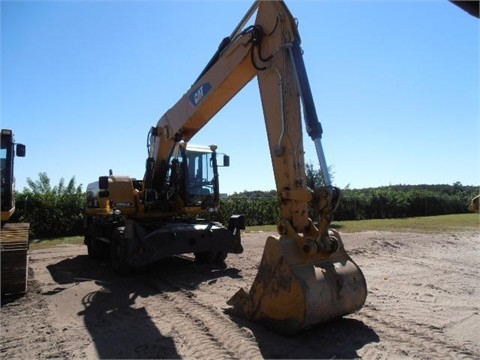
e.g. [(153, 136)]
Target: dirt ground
[(423, 302)]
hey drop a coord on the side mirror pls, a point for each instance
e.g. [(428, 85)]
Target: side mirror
[(103, 182), (226, 160), (21, 150)]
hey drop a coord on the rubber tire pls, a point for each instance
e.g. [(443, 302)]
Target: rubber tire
[(220, 258), (97, 249), (210, 257), (119, 253), (205, 257)]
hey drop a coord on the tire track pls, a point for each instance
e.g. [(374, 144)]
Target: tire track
[(408, 310), (19, 341), (416, 316), (207, 333), (416, 339), (254, 342)]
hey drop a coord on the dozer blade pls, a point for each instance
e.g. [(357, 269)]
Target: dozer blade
[(294, 291)]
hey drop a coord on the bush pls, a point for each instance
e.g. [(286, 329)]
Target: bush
[(58, 211), (398, 201), (51, 212), (259, 208)]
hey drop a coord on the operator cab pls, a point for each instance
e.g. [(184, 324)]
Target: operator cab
[(194, 173), (199, 170), (9, 149)]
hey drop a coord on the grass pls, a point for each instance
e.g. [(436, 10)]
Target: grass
[(434, 224), (426, 224), (429, 224), (48, 243)]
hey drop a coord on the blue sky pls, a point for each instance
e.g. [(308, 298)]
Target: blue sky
[(395, 83)]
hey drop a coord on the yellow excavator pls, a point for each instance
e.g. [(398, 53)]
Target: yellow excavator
[(305, 276), (13, 236)]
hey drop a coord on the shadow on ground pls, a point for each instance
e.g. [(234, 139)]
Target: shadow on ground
[(119, 326), (340, 339)]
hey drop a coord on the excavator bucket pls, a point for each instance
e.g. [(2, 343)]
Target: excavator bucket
[(294, 291)]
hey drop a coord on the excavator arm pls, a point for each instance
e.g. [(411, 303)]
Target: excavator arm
[(269, 50), (305, 276)]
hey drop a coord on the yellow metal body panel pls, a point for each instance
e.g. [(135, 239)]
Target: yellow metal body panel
[(122, 195), (6, 215)]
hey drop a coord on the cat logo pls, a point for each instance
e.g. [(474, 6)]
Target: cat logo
[(199, 93)]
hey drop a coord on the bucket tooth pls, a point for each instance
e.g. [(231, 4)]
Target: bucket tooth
[(293, 291)]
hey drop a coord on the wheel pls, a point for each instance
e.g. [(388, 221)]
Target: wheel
[(97, 249), (205, 257), (220, 258), (119, 252), (210, 257), (90, 249)]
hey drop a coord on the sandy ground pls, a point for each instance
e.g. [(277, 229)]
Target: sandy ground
[(423, 302)]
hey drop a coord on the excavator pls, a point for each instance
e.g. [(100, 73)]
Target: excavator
[(305, 276), (13, 236)]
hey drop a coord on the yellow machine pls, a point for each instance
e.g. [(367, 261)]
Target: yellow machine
[(13, 236), (305, 276), (474, 205), (137, 225)]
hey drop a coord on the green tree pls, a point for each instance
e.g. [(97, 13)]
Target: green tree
[(259, 207), (51, 211), (315, 177)]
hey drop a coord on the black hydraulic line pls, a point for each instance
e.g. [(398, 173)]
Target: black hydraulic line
[(257, 38), (257, 34), (223, 45), (149, 135), (252, 58)]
